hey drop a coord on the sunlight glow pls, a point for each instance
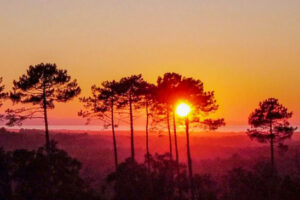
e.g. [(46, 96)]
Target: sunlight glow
[(183, 109)]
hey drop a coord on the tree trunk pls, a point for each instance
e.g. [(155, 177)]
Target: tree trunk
[(175, 139), (114, 135), (46, 118), (176, 149), (190, 167), (131, 128), (272, 147), (169, 131), (147, 136)]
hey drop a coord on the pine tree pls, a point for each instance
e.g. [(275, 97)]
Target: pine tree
[(269, 123), (3, 95), (147, 92), (40, 87), (101, 105), (166, 98), (130, 96)]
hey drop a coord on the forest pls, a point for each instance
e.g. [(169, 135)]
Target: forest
[(51, 165)]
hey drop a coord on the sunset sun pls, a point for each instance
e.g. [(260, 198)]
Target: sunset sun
[(183, 109)]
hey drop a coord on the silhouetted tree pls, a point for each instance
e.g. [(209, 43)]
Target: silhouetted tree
[(129, 96), (166, 98), (269, 123), (48, 174), (202, 103), (160, 121), (3, 95), (167, 184), (172, 88), (259, 183), (243, 184), (41, 86), (101, 105), (147, 92), (3, 130), (132, 181)]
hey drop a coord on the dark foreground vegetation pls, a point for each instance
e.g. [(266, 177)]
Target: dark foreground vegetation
[(161, 181), (41, 174), (25, 173), (36, 175)]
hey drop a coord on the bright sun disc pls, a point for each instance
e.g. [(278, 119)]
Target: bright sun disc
[(183, 109)]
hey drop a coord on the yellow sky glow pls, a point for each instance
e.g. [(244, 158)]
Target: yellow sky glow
[(245, 51)]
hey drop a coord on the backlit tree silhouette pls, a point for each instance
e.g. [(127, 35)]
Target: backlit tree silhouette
[(3, 95), (101, 105), (40, 87), (130, 96), (203, 103), (166, 97), (269, 123), (147, 92)]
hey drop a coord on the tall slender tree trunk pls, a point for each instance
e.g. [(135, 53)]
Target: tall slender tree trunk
[(272, 147), (114, 135), (176, 148), (131, 128), (175, 139), (169, 131), (272, 188), (190, 167), (46, 117), (147, 136)]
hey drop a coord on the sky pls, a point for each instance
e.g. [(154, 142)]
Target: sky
[(244, 50)]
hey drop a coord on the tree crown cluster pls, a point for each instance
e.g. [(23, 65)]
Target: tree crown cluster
[(161, 97)]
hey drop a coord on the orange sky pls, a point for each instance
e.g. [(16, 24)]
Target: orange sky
[(245, 50)]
